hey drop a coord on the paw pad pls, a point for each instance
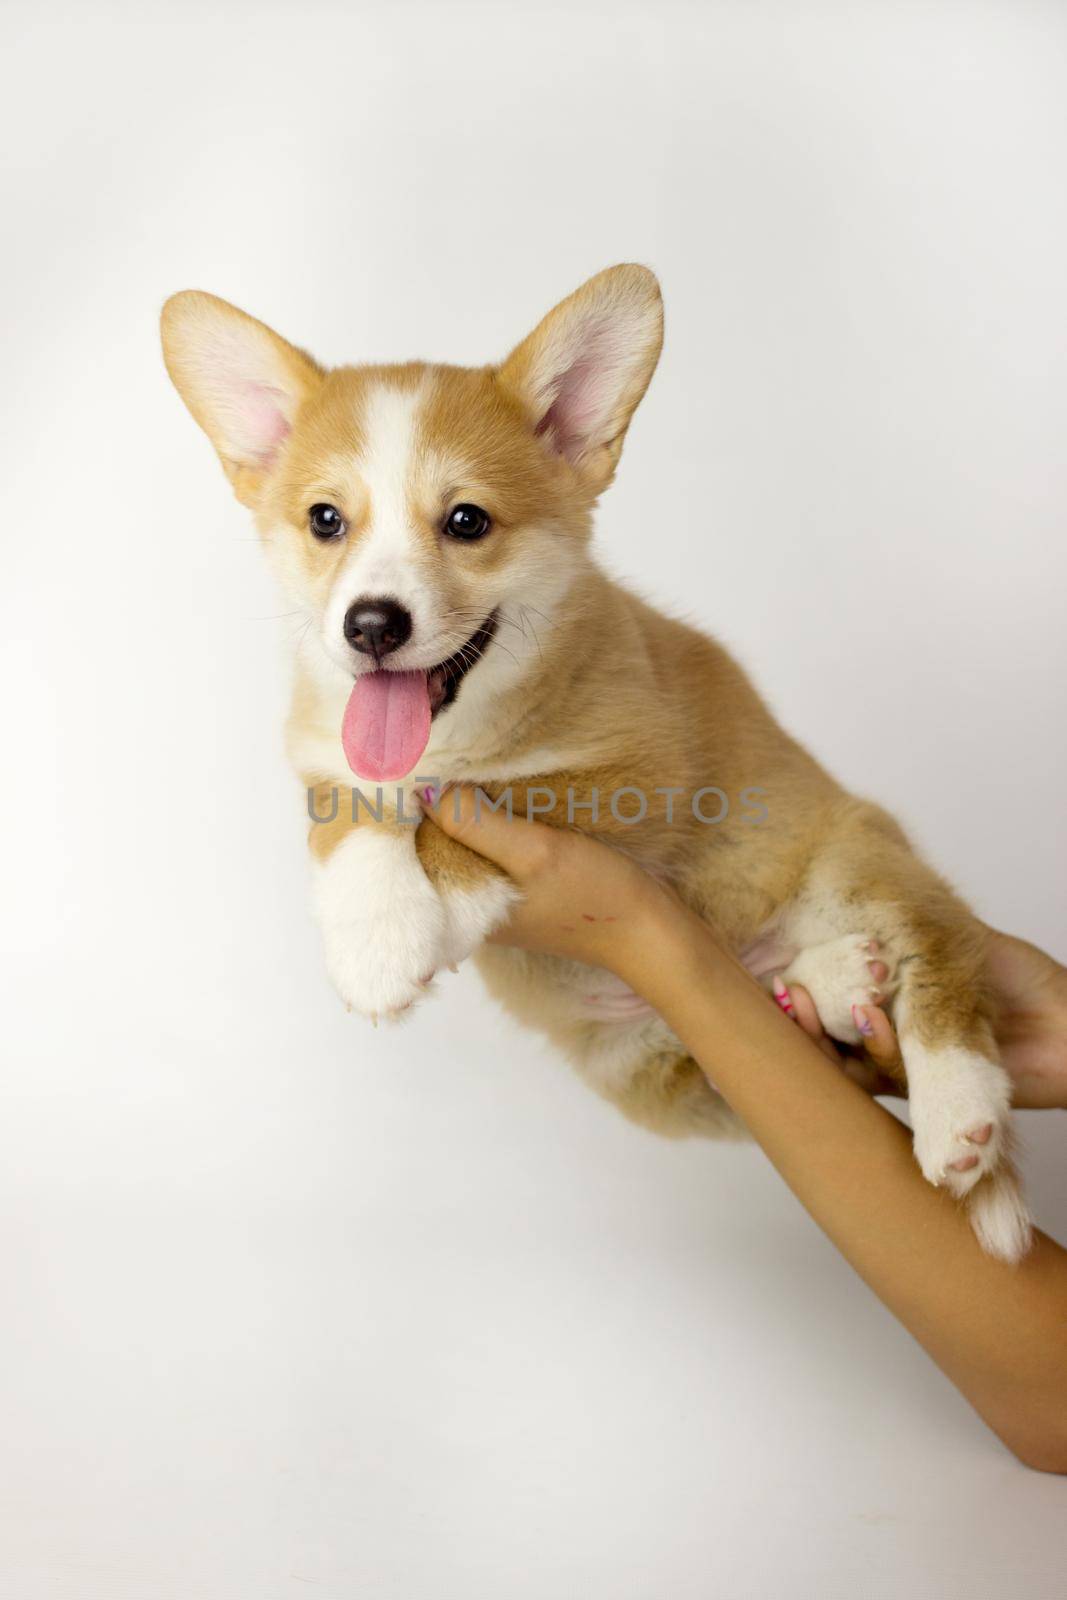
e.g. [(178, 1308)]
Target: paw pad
[(842, 976)]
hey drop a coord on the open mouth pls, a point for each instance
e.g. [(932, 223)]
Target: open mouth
[(443, 681), (386, 724)]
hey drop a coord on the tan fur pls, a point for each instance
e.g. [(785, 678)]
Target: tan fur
[(646, 699)]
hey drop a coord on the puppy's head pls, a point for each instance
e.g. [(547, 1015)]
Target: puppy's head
[(409, 510)]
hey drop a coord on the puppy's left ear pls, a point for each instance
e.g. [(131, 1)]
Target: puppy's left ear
[(581, 373), (242, 382)]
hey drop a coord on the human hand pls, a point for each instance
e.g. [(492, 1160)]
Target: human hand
[(881, 1054), (582, 898), (1032, 1025), (1031, 1028)]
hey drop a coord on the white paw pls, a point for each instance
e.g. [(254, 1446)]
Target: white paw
[(382, 922), (840, 974), (959, 1105), (471, 915)]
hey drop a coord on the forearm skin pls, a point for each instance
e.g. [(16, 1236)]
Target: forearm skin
[(998, 1332)]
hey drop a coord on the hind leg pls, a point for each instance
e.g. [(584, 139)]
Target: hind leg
[(959, 1100), (867, 888)]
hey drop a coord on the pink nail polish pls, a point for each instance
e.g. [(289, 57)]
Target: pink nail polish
[(782, 996), (429, 795)]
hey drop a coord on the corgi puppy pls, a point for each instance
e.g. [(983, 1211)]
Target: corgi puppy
[(433, 524)]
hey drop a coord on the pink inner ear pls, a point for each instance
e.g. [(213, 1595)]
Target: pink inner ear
[(262, 422), (584, 392), (245, 391)]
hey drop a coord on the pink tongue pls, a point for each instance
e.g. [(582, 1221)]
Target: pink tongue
[(386, 724)]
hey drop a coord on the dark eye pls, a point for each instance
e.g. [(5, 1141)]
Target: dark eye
[(326, 522), (467, 522)]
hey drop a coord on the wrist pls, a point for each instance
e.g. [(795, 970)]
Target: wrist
[(665, 943)]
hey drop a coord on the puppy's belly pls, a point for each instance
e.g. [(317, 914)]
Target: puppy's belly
[(607, 1031)]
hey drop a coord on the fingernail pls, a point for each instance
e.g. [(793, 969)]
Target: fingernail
[(781, 994), (428, 796), (862, 1021)]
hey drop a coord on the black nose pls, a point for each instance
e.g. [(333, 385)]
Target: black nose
[(377, 626)]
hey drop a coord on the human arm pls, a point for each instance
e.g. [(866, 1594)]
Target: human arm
[(998, 1332)]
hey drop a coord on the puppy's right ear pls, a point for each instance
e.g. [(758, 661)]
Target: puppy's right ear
[(243, 384), (581, 373)]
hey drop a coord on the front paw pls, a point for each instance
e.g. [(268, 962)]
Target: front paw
[(474, 912), (382, 921)]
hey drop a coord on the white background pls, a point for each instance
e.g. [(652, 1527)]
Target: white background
[(294, 1308)]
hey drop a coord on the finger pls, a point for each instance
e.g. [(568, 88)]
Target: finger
[(804, 1011), (879, 1039), (465, 813), (805, 1015), (867, 1075)]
